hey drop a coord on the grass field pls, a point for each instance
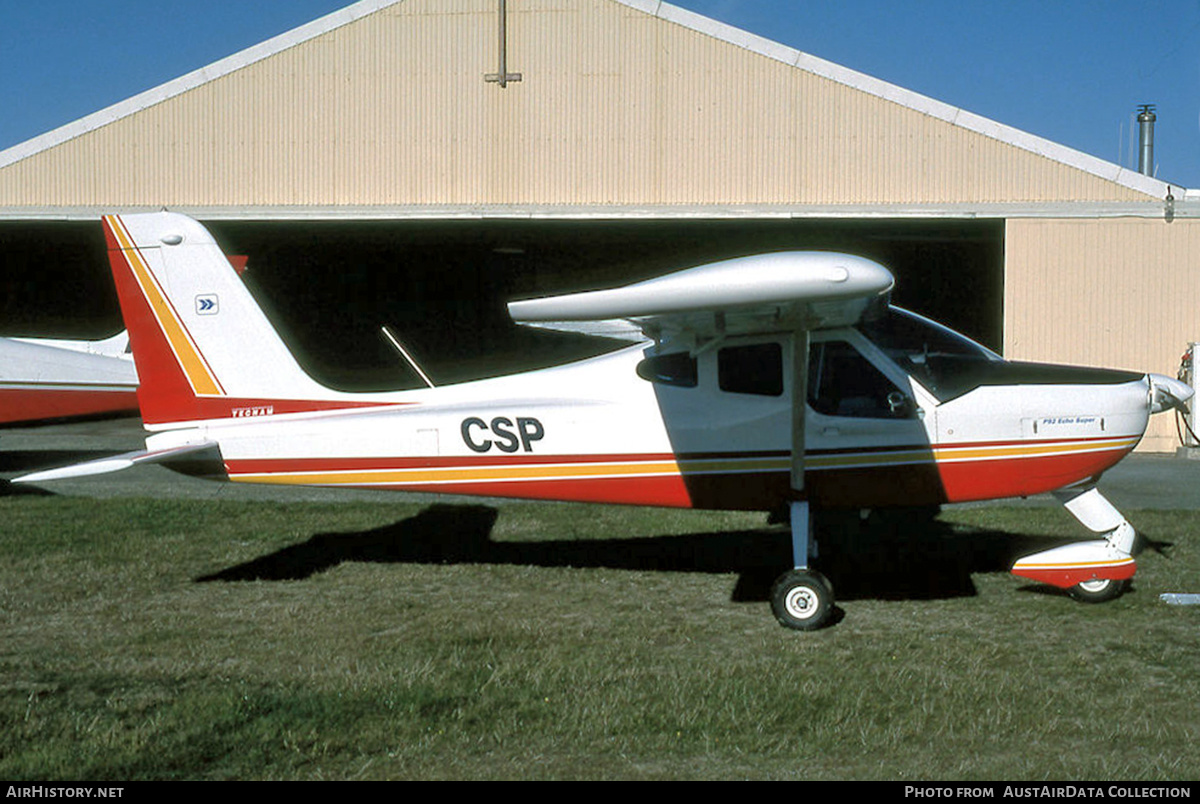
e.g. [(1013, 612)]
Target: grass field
[(144, 639)]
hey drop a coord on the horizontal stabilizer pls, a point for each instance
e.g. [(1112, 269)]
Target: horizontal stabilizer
[(114, 463)]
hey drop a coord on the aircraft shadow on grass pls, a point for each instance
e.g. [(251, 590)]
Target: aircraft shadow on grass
[(891, 560)]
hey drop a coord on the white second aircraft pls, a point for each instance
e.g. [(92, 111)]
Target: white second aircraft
[(45, 379), (769, 381)]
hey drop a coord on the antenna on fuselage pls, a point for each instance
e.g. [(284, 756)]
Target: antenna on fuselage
[(387, 333)]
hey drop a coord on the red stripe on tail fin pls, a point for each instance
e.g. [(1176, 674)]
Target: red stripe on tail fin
[(164, 391)]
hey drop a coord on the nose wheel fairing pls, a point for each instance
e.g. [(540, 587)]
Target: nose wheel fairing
[(1087, 565), (1079, 563)]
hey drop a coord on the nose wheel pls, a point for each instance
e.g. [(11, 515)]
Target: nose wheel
[(1098, 590), (802, 599)]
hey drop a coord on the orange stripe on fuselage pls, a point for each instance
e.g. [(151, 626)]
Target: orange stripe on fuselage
[(199, 375), (474, 474)]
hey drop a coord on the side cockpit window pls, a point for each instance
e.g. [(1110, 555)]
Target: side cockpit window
[(841, 382), (753, 369), (678, 369)]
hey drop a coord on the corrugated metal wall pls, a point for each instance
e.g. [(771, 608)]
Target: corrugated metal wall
[(616, 106), (1117, 293)]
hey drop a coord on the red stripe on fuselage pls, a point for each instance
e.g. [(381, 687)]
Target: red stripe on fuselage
[(224, 407), (968, 481), (668, 491)]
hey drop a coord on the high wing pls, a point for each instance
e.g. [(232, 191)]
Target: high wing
[(695, 309), (783, 291)]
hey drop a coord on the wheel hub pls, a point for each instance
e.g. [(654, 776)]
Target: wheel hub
[(801, 603)]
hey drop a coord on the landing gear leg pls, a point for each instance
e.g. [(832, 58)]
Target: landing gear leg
[(801, 598)]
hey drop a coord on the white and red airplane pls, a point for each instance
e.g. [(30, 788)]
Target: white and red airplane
[(777, 380), (43, 379)]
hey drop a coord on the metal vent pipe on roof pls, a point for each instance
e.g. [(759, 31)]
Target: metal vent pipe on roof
[(1146, 120)]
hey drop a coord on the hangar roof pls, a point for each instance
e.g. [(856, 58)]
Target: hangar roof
[(626, 108)]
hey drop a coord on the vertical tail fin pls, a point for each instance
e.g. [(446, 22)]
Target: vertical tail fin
[(203, 347)]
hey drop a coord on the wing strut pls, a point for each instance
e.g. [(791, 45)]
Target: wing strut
[(801, 598), (799, 502)]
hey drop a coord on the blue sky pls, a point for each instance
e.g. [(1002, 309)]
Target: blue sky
[(1068, 70)]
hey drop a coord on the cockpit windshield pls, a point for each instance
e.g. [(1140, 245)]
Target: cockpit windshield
[(945, 363)]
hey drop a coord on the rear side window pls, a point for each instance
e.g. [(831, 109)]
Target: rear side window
[(754, 369), (677, 369)]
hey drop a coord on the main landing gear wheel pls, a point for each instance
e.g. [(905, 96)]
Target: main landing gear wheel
[(1098, 590), (802, 600)]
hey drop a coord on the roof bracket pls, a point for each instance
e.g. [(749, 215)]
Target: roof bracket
[(502, 76)]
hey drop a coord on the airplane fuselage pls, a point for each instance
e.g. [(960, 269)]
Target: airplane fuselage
[(648, 426)]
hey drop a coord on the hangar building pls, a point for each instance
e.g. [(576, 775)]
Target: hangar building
[(394, 158)]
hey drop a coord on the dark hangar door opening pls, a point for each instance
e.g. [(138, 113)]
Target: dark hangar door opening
[(441, 286)]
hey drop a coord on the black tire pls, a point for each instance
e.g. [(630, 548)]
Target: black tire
[(802, 600), (1099, 590)]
